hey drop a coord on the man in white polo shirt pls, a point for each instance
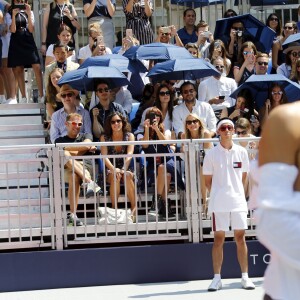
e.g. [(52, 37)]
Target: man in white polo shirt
[(225, 169)]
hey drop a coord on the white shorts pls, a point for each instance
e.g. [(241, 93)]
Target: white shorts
[(222, 220)]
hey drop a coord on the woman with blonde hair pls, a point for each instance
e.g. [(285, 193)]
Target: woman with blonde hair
[(195, 129)]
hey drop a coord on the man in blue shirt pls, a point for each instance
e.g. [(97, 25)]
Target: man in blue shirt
[(188, 34)]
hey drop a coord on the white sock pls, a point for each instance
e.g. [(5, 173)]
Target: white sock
[(217, 276), (245, 275)]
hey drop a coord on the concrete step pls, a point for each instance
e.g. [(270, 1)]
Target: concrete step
[(24, 193), (22, 109), (21, 131)]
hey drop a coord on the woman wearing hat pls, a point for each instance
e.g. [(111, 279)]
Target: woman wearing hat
[(68, 95), (292, 54)]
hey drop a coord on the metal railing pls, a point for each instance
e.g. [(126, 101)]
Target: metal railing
[(34, 203)]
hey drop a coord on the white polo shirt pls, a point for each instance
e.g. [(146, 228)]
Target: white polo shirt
[(226, 167)]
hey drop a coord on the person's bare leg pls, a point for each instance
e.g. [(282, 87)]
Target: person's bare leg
[(242, 250), (19, 76), (130, 191), (9, 80), (114, 189), (38, 76), (217, 251), (73, 191)]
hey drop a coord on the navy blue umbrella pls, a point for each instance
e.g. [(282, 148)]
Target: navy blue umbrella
[(85, 79), (197, 3), (264, 2), (122, 63), (259, 86), (260, 34), (182, 69), (157, 51), (292, 40)]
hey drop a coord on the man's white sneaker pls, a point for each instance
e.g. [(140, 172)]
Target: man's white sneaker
[(92, 188), (247, 284), (215, 285), (23, 100)]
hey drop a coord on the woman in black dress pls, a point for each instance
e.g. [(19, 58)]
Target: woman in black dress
[(22, 49)]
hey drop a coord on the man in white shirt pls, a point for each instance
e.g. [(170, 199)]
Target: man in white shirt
[(216, 90), (225, 171), (192, 105)]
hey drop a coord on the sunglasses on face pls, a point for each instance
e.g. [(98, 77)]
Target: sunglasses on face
[(247, 52), (170, 82), (166, 93), (193, 52), (219, 67), (288, 27), (112, 122), (188, 91), (241, 132), (296, 54), (73, 123), (262, 63), (224, 127), (105, 90), (102, 49), (66, 95), (274, 19), (165, 34), (277, 93), (190, 122)]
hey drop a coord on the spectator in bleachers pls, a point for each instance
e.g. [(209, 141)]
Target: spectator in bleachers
[(165, 170), (192, 105), (116, 129), (276, 97), (123, 97), (164, 102), (102, 11), (193, 49), (57, 13), (166, 33), (243, 129), (77, 171), (289, 28), (103, 109), (94, 31), (68, 95), (147, 100), (216, 90), (229, 13), (243, 107), (22, 48), (261, 63), (138, 14), (195, 129), (217, 49), (295, 76), (227, 202), (205, 37), (188, 34), (60, 52), (292, 53), (64, 35), (274, 22), (53, 103), (6, 73), (246, 61)]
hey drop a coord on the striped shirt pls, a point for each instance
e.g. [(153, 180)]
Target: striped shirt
[(58, 120)]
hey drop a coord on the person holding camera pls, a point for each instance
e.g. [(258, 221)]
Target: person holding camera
[(101, 12), (95, 36), (138, 14), (22, 48), (166, 33), (205, 37), (244, 68)]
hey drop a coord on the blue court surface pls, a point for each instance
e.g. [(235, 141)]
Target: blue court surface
[(184, 290)]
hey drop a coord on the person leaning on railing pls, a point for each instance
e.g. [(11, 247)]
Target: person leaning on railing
[(116, 129)]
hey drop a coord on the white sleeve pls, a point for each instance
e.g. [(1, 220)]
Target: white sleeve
[(177, 121), (207, 163), (211, 119), (202, 91), (49, 51)]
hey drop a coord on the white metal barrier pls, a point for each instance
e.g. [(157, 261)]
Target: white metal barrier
[(34, 205)]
